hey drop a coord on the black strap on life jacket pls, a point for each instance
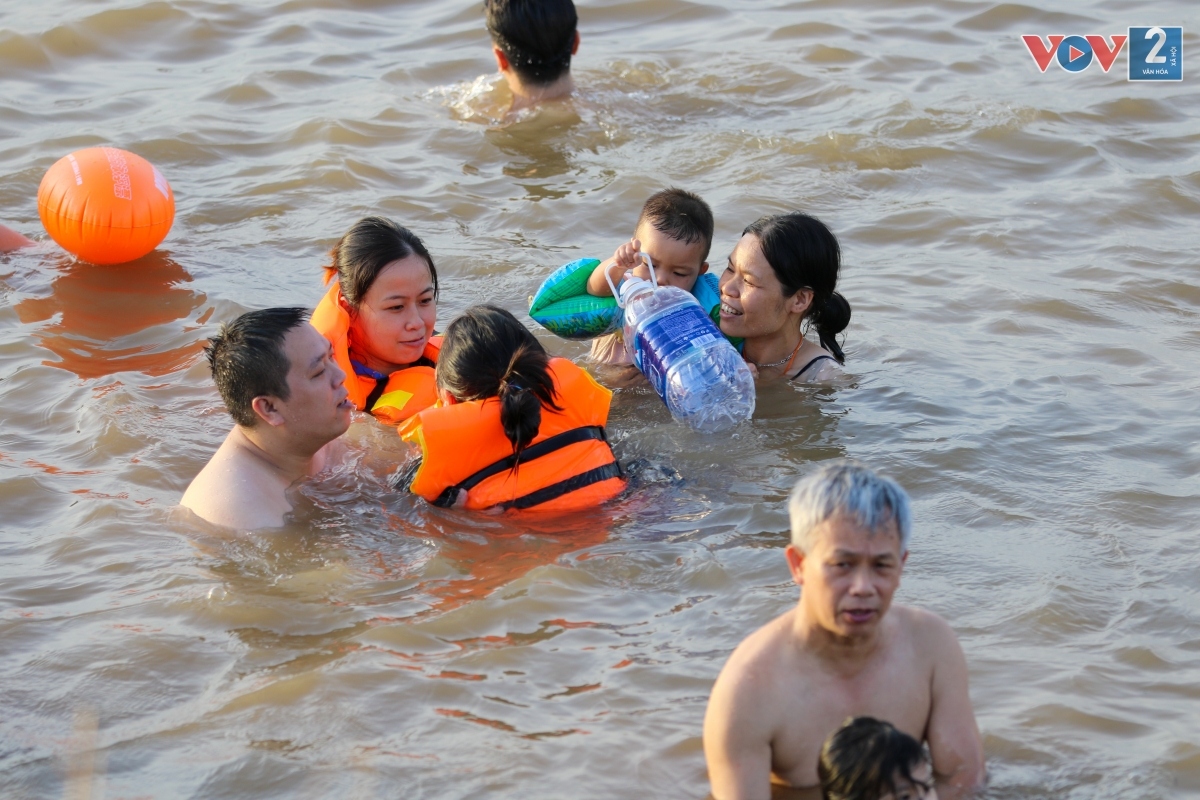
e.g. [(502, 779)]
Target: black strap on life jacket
[(556, 490), (586, 433), (381, 383), (376, 393)]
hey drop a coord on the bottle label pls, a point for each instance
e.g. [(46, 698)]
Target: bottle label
[(659, 342)]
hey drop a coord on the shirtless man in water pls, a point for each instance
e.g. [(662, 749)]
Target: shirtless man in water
[(278, 379), (533, 41), (841, 652)]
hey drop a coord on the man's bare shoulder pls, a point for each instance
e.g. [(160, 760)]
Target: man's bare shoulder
[(11, 240), (236, 490), (761, 655), (922, 621), (743, 712), (928, 631)]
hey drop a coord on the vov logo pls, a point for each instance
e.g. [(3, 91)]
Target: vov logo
[(1155, 53), (1075, 53)]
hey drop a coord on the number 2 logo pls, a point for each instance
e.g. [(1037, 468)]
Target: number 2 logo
[(1153, 57), (1156, 53)]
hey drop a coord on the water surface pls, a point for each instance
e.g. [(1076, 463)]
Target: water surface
[(1020, 253)]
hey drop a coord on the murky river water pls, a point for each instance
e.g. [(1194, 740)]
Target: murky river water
[(1021, 254)]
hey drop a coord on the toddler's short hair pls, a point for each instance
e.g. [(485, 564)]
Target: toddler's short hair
[(681, 215)]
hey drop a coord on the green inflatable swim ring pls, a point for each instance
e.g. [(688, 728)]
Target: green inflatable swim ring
[(563, 306)]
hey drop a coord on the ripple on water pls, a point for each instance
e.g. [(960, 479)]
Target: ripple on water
[(1007, 16)]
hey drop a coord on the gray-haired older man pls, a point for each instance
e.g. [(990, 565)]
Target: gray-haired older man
[(843, 651)]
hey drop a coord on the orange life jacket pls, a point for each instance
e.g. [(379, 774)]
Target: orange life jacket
[(394, 399), (568, 465)]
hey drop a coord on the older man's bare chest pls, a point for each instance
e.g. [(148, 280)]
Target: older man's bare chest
[(895, 686)]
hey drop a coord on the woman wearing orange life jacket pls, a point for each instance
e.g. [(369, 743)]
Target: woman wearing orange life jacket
[(515, 429), (379, 316)]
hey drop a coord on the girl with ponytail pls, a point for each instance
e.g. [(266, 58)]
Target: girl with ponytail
[(514, 428), (488, 353), (779, 284)]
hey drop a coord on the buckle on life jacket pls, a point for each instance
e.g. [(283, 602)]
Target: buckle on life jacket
[(588, 432)]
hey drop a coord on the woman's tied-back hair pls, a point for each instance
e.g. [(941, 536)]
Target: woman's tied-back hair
[(848, 488), (680, 215), (370, 245), (862, 760), (536, 36), (247, 359), (805, 255), (486, 352)]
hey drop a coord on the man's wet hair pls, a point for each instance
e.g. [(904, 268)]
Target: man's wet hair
[(863, 759), (247, 359), (847, 487), (681, 215), (536, 36)]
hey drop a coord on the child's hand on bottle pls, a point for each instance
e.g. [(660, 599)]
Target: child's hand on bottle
[(627, 254), (627, 259), (639, 268)]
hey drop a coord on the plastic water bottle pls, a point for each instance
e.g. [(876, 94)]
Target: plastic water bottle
[(693, 367)]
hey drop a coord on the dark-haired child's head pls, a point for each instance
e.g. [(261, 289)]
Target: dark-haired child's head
[(486, 352), (536, 37), (675, 229), (868, 759)]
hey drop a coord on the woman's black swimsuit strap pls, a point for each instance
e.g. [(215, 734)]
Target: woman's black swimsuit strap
[(809, 364)]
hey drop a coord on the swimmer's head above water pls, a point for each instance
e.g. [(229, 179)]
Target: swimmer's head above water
[(389, 288), (867, 759), (247, 360), (781, 276), (283, 388), (487, 352), (846, 488), (675, 230), (533, 41)]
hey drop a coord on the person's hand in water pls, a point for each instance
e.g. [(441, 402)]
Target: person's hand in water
[(628, 378)]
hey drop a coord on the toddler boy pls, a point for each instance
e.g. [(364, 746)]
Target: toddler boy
[(675, 229)]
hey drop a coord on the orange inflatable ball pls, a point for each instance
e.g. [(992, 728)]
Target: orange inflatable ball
[(105, 205)]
